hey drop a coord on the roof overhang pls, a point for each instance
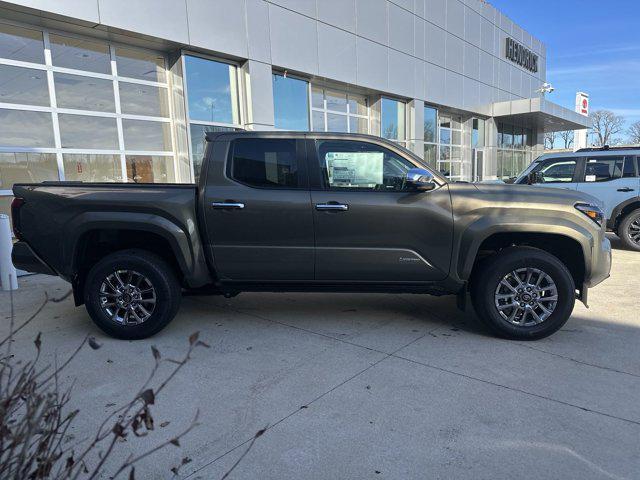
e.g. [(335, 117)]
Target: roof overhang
[(540, 114)]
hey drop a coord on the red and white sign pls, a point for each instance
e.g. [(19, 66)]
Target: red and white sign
[(582, 103)]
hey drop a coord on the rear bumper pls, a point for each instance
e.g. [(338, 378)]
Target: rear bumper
[(24, 258)]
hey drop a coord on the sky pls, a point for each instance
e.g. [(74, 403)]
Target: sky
[(592, 46)]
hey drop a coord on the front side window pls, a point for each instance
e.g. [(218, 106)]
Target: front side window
[(557, 170), (290, 103), (393, 119), (603, 169), (360, 165), (265, 163)]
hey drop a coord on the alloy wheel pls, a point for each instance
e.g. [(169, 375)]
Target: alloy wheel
[(633, 230), (526, 297), (127, 297)]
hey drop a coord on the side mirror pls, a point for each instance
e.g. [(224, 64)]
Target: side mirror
[(420, 179), (534, 177)]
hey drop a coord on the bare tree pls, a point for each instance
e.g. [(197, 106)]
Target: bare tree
[(567, 138), (605, 124), (634, 132), (35, 417), (549, 139)]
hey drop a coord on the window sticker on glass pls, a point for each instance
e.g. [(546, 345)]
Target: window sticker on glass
[(355, 169)]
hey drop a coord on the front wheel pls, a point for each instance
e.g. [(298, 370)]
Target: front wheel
[(629, 230), (132, 294), (523, 293)]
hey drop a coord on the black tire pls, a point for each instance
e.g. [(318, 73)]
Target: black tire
[(628, 226), (494, 269), (159, 276)]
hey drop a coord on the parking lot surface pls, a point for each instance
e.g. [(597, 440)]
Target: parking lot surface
[(366, 386)]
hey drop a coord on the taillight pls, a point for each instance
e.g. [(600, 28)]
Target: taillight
[(15, 215)]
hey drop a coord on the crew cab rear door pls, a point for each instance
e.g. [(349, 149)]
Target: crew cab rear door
[(257, 208), (369, 226)]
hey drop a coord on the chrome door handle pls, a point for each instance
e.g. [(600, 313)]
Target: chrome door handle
[(625, 189), (336, 207), (228, 205)]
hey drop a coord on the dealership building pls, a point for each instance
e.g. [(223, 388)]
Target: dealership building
[(124, 90)]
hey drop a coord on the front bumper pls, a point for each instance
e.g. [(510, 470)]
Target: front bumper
[(24, 258), (600, 263)]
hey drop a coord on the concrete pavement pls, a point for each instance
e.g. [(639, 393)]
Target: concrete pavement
[(369, 386)]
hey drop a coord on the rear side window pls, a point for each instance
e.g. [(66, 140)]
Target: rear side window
[(265, 162), (629, 168), (603, 169)]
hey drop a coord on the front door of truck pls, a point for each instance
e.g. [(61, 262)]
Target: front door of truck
[(370, 227), (259, 223)]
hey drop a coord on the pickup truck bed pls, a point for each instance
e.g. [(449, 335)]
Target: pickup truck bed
[(161, 218)]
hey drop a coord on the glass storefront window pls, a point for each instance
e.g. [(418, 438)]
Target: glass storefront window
[(150, 169), (139, 99), (198, 143), (84, 131), (318, 121), (21, 44), (80, 54), (27, 86), (106, 111), (92, 167), (143, 135), (84, 93), (337, 123), (393, 117), (430, 120), (358, 125), (211, 90), (430, 151), (335, 111), (140, 64), (445, 136), (290, 103), (514, 150), (336, 101), (477, 133), (26, 168), (22, 128), (358, 105)]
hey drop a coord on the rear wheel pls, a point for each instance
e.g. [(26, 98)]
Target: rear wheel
[(132, 294), (523, 293), (629, 230)]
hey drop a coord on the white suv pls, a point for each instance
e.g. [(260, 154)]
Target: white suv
[(612, 175)]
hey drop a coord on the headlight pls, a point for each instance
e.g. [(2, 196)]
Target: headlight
[(592, 211)]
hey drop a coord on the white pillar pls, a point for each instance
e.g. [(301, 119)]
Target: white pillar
[(8, 275), (415, 133), (258, 81)]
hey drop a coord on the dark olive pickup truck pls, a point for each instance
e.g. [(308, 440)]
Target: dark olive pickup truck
[(286, 211)]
